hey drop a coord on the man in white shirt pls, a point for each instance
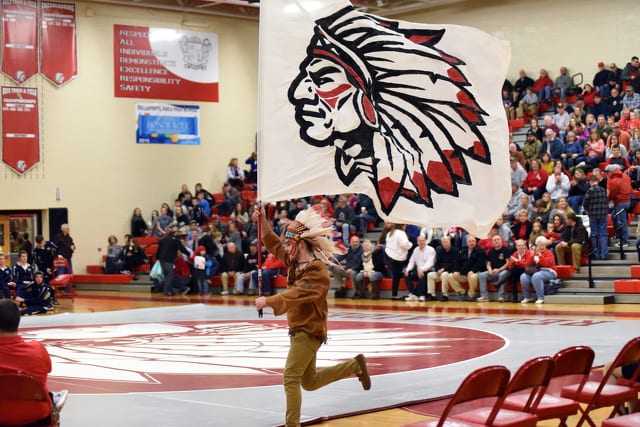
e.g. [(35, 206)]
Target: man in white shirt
[(421, 262)]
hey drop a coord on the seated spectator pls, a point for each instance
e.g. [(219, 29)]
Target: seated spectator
[(446, 263), (561, 208), (588, 95), (617, 157), (366, 214), (231, 266), (161, 223), (230, 198), (504, 230), (579, 187), (252, 173), (235, 174), (518, 260), (593, 152), (578, 128), (233, 236), (630, 100), (634, 170), (551, 144), (571, 241), (113, 262), (36, 297), (600, 106), (634, 142), (554, 230), (133, 256), (507, 102), (615, 139), (250, 265), (561, 119), (558, 184), (471, 263), (207, 195), (535, 181), (31, 357), (345, 219), (420, 263), (520, 86), (352, 263), (373, 270), (531, 146), (513, 206), (497, 269), (562, 84), (602, 79), (615, 103), (486, 244), (536, 231), (521, 227), (539, 271), (570, 151), (528, 104), (543, 86), (539, 213), (536, 129), (547, 164), (270, 268)]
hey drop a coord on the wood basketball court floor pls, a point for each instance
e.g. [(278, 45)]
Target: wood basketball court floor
[(132, 360)]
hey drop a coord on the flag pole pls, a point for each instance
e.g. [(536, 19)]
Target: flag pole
[(259, 246)]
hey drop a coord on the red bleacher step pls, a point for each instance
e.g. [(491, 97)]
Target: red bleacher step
[(635, 271), (102, 278), (627, 286)]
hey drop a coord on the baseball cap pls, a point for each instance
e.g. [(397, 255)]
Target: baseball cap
[(530, 132)]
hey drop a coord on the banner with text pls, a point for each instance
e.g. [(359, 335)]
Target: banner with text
[(160, 63), (168, 124), (58, 43), (19, 39), (20, 128)]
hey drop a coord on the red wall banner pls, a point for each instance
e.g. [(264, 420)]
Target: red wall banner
[(58, 44), (19, 39), (158, 63), (20, 128)]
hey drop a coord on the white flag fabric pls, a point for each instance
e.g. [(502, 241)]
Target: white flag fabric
[(409, 114)]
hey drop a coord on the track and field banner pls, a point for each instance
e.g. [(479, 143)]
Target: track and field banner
[(19, 39), (168, 124), (20, 128), (159, 63), (409, 114), (58, 42)]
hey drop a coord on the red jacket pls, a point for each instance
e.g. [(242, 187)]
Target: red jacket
[(546, 259), (521, 261), (541, 83), (537, 180), (619, 187)]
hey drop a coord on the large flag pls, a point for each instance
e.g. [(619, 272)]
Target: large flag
[(409, 114)]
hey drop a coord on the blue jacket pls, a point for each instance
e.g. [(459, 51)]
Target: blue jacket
[(556, 148)]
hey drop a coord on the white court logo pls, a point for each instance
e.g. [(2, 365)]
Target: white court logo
[(192, 355)]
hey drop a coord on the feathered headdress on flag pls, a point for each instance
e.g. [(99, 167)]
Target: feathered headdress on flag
[(316, 228), (406, 113)]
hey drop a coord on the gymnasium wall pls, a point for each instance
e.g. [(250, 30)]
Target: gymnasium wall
[(88, 148)]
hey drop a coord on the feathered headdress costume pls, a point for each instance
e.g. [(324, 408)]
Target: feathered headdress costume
[(316, 228)]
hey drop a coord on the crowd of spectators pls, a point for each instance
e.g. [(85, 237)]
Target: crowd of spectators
[(581, 161)]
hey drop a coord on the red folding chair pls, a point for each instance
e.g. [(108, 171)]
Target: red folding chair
[(530, 383), (483, 383), (24, 401), (623, 421), (62, 281), (601, 394), (571, 366)]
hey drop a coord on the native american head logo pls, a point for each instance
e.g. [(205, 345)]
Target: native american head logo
[(393, 105)]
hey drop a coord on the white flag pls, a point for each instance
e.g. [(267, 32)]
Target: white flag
[(409, 114)]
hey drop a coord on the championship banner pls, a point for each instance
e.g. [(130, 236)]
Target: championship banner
[(160, 63), (20, 128), (58, 43), (168, 124), (19, 39), (409, 114)]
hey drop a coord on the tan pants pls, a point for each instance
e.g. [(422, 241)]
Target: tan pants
[(576, 255), (531, 109), (433, 277), (224, 278), (300, 370), (471, 278)]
